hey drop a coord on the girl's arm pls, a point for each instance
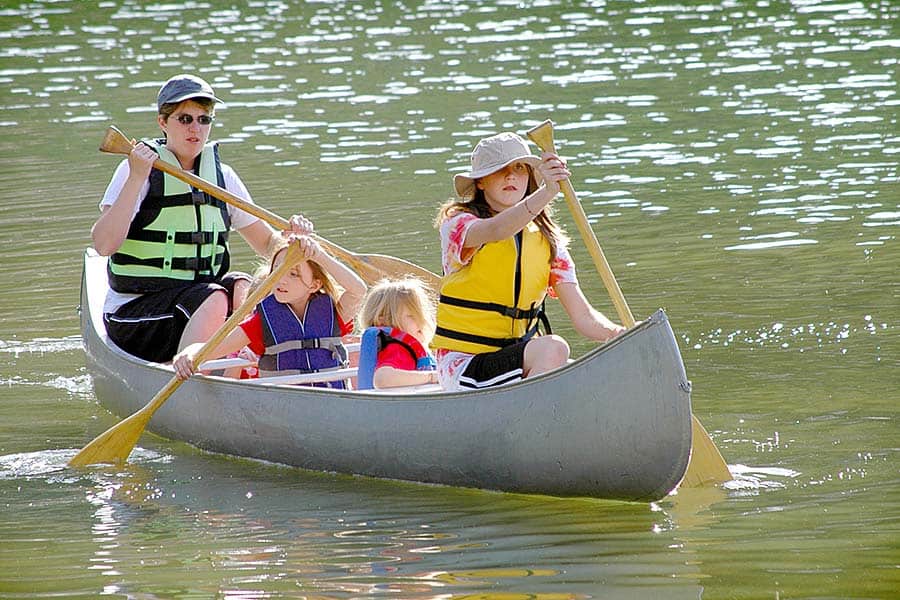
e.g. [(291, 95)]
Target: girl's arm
[(387, 377), (587, 321), (184, 360), (354, 287), (514, 219)]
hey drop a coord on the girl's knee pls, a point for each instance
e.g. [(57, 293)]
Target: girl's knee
[(556, 349), (545, 353)]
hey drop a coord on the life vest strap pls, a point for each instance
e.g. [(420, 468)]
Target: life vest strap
[(326, 343), (507, 311), (202, 264), (485, 340), (199, 238), (267, 373)]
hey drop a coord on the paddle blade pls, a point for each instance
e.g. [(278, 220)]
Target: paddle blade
[(375, 267), (706, 465), (115, 444)]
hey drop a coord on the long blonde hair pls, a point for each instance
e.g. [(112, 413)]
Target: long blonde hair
[(384, 304)]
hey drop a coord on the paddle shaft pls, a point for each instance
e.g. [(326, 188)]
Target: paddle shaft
[(370, 267), (706, 463), (116, 443), (542, 135)]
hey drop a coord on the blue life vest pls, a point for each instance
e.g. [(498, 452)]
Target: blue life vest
[(293, 346), (374, 340)]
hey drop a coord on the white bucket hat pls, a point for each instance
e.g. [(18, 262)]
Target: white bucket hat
[(492, 154)]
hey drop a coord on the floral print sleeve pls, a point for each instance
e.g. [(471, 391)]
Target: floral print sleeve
[(562, 270), (453, 234)]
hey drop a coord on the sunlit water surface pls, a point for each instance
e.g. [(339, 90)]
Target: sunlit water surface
[(738, 161)]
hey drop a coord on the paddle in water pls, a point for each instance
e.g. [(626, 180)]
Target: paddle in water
[(706, 463), (115, 444), (371, 267)]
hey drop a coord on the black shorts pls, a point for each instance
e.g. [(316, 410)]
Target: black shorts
[(150, 326), (495, 368)]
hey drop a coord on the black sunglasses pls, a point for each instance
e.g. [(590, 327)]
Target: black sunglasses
[(188, 119)]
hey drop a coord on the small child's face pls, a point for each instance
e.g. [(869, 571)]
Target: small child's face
[(411, 325), (297, 284)]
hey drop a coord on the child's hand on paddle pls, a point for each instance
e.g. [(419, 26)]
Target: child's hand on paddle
[(300, 225), (553, 169), (183, 362), (309, 247)]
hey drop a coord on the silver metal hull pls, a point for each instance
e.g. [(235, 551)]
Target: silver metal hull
[(616, 423)]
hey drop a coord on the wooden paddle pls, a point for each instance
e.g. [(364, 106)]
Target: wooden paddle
[(115, 444), (706, 463), (371, 267)]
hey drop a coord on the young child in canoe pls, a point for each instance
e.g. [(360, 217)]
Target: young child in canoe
[(502, 253), (398, 322), (298, 327)]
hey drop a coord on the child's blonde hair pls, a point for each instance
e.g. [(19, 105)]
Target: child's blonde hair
[(386, 300), (329, 285)]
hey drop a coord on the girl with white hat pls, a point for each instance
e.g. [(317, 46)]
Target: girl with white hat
[(502, 254)]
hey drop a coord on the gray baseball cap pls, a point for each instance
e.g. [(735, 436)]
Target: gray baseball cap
[(184, 86)]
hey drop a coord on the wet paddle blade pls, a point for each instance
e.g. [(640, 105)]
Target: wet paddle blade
[(116, 443), (706, 467)]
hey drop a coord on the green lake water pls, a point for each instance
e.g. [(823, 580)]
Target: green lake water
[(738, 162)]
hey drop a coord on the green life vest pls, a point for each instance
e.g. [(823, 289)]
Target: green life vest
[(179, 234)]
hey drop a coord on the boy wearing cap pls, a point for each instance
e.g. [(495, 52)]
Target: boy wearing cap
[(502, 253), (168, 243)]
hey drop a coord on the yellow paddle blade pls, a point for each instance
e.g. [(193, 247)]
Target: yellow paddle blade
[(115, 444), (706, 466), (372, 268)]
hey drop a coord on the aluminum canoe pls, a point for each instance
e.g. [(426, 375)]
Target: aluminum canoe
[(615, 423)]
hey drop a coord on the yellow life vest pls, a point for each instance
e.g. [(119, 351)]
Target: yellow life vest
[(495, 300)]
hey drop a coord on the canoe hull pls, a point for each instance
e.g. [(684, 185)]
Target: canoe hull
[(614, 424)]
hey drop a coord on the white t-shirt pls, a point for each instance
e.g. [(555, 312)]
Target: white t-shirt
[(239, 218)]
